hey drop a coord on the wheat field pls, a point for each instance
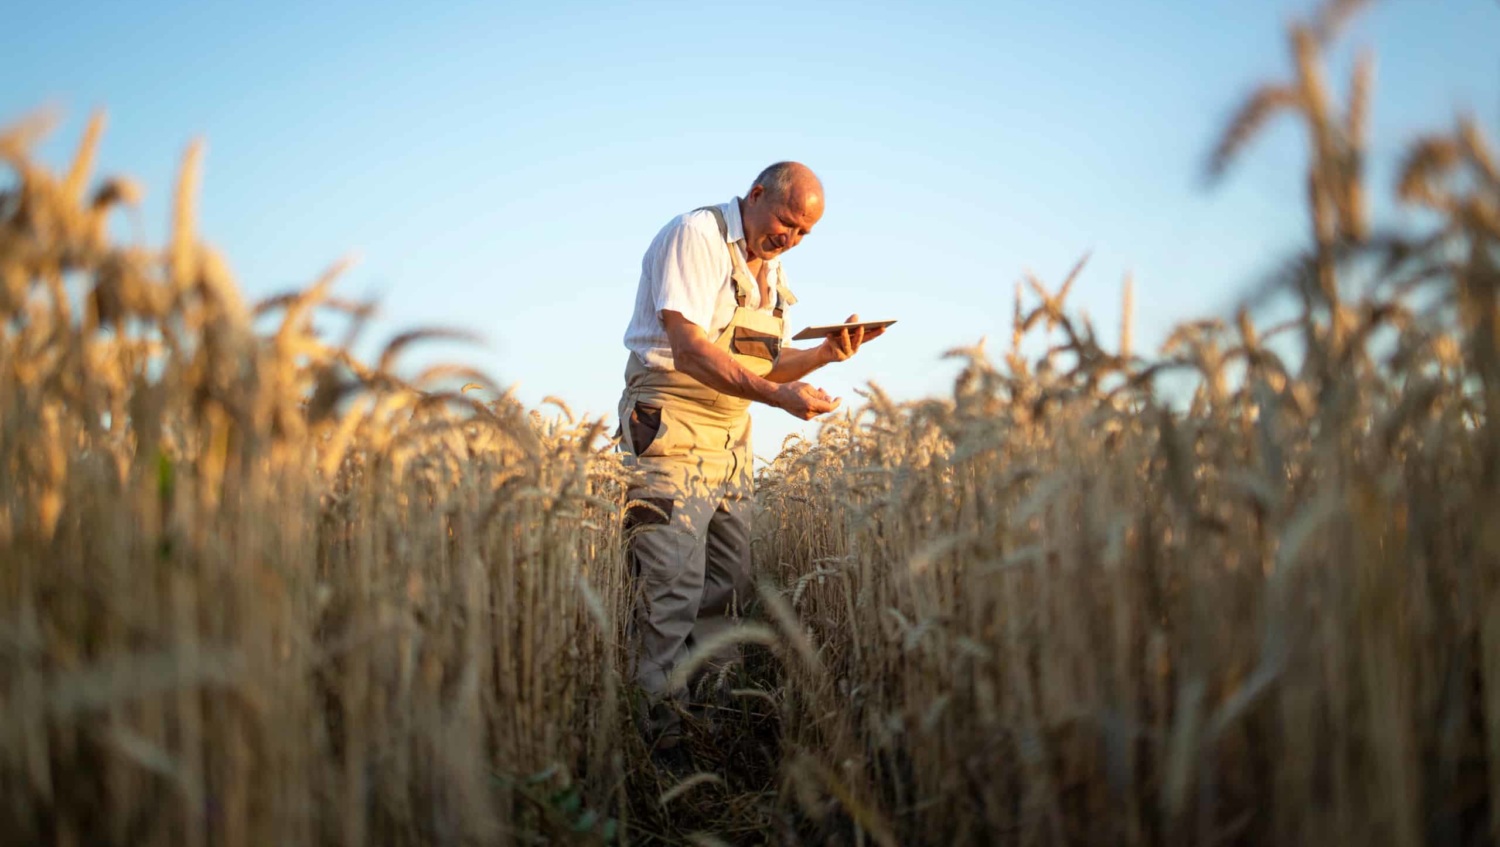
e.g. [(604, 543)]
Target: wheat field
[(255, 590)]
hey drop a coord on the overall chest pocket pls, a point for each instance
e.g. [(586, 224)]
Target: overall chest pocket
[(755, 343)]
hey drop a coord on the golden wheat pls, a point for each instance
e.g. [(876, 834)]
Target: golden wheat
[(256, 590)]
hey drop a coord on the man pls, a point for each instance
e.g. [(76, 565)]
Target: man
[(708, 338)]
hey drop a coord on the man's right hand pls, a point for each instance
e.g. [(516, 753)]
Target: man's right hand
[(804, 401)]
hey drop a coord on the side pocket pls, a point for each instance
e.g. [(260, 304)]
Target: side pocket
[(645, 424), (749, 342)]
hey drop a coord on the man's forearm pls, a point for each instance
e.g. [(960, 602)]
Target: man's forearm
[(794, 364), (718, 370)]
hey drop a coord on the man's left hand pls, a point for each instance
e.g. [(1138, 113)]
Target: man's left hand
[(840, 346)]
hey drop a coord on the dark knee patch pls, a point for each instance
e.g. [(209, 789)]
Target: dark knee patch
[(648, 511)]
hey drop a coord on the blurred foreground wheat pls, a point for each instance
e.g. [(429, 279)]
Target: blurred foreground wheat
[(1056, 608), (254, 590)]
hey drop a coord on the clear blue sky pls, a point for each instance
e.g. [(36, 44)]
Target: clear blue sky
[(501, 167)]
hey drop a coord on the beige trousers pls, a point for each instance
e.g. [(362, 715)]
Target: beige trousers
[(689, 532)]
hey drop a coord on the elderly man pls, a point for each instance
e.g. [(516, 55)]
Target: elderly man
[(708, 337)]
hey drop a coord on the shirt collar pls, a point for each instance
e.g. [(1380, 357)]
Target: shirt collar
[(733, 222)]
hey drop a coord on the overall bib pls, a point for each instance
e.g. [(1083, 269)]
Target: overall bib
[(690, 547)]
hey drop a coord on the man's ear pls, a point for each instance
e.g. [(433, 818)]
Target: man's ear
[(755, 192)]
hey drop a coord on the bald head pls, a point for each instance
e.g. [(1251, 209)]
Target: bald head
[(781, 207), (790, 181)]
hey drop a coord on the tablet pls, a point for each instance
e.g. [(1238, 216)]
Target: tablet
[(833, 329)]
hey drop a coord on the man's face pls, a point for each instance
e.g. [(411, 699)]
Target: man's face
[(774, 225)]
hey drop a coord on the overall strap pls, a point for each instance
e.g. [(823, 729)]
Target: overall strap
[(784, 295), (718, 219), (744, 282)]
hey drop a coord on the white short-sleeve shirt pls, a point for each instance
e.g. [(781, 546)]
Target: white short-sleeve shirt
[(686, 269)]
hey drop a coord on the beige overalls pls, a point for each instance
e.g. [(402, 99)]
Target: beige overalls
[(690, 550)]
